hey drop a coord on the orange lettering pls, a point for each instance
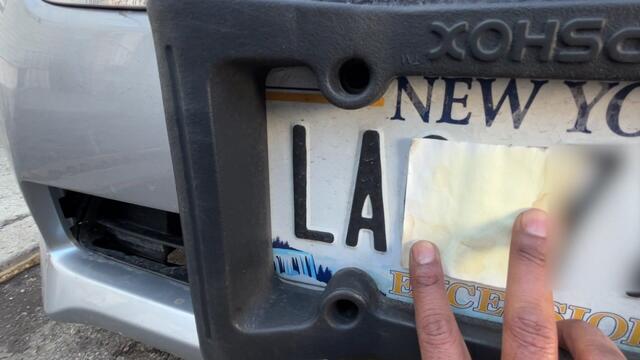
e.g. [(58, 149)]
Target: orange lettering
[(578, 313), (401, 284), (634, 337), (620, 327), (490, 301), (453, 291), (560, 309)]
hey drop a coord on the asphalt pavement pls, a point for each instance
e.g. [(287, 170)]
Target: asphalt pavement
[(25, 331)]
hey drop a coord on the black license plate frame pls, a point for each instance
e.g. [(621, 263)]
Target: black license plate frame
[(213, 58)]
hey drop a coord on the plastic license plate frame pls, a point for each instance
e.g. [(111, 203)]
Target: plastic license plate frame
[(214, 57)]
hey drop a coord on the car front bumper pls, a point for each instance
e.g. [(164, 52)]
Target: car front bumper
[(81, 109)]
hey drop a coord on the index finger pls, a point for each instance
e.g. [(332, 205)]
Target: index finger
[(529, 330), (438, 333)]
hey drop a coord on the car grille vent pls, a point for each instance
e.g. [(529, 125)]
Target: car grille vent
[(147, 238)]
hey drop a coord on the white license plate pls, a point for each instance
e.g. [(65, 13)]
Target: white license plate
[(338, 177)]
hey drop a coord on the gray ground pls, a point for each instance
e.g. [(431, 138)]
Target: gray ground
[(18, 232), (25, 331)]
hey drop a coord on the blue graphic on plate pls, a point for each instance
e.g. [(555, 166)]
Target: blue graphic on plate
[(298, 266)]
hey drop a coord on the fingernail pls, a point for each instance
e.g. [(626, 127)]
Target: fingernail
[(535, 223), (423, 252)]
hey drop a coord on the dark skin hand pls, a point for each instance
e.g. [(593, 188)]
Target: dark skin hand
[(530, 330)]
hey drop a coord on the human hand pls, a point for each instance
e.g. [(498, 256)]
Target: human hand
[(530, 330)]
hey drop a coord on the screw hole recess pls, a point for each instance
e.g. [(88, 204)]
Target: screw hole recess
[(344, 313), (354, 76)]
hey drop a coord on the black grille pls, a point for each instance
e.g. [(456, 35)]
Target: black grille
[(147, 238)]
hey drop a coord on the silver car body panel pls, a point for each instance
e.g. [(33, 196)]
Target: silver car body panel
[(81, 109)]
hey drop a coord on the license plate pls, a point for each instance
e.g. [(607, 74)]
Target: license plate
[(337, 180)]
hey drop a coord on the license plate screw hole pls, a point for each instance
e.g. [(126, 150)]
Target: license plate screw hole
[(344, 312), (354, 76)]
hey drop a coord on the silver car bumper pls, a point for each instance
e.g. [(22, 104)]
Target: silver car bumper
[(81, 109)]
